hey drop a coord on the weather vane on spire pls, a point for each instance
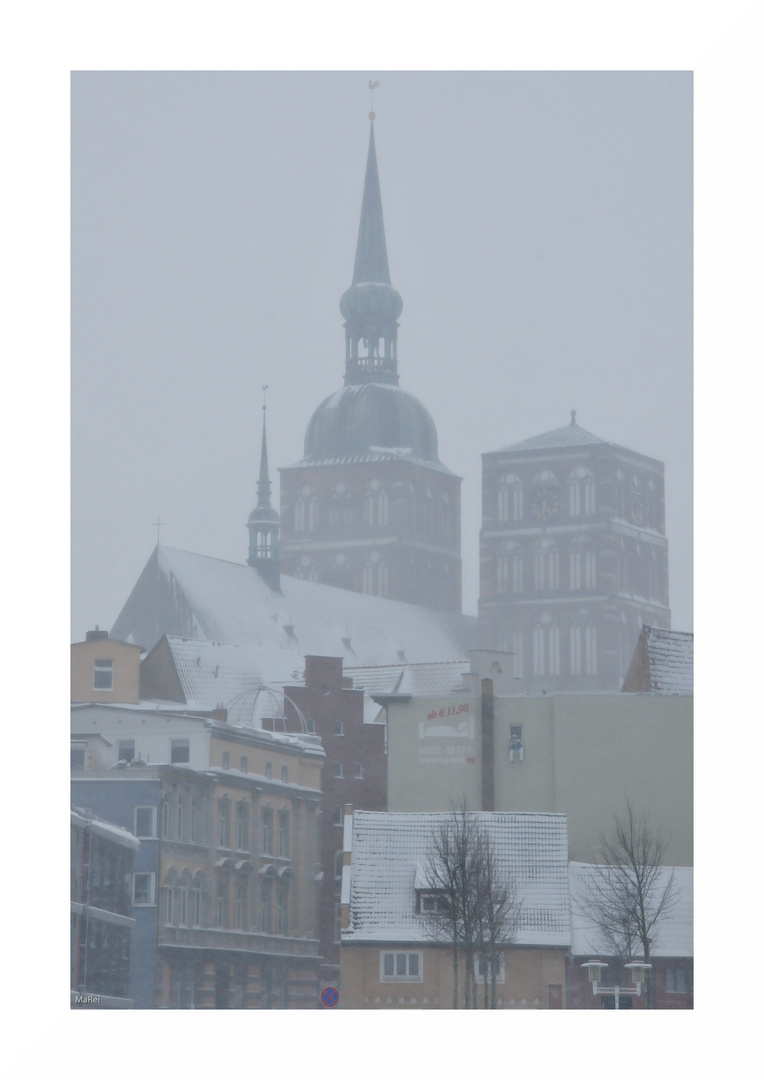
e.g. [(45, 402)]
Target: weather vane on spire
[(372, 87), (264, 405)]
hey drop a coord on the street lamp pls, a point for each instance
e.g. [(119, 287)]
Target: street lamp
[(638, 970)]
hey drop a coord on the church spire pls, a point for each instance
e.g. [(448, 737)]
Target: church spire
[(264, 523), (371, 306), (371, 249)]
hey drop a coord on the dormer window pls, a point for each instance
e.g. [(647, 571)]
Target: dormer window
[(434, 902)]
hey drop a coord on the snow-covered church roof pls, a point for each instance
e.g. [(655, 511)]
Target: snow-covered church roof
[(390, 849), (199, 597)]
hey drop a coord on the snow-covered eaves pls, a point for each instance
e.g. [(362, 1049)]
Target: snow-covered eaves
[(83, 819), (674, 933), (531, 849), (662, 663), (418, 680)]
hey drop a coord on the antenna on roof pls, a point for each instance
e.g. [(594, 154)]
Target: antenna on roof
[(572, 417), (158, 523)]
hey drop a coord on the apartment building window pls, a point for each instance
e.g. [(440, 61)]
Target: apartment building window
[(266, 899), (144, 890), (103, 674), (283, 834), (266, 831), (126, 750), (338, 728), (226, 760), (338, 814), (400, 966), (338, 774), (482, 967), (145, 821), (223, 894), (224, 822), (240, 903), (242, 825), (358, 771), (244, 764), (676, 980), (269, 769), (284, 774), (180, 751), (282, 925)]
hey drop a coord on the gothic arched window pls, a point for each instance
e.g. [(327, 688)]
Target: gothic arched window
[(306, 511), (510, 498), (583, 649), (374, 575), (340, 511), (546, 566), (583, 565), (509, 569), (546, 649), (582, 488), (306, 569)]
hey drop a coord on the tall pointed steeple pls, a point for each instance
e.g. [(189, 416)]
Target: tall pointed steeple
[(371, 306), (264, 523)]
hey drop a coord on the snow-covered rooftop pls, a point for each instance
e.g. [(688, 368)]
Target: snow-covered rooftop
[(421, 680), (216, 600), (388, 849), (570, 435), (245, 679), (673, 936), (662, 662)]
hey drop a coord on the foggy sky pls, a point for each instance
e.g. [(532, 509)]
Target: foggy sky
[(539, 230)]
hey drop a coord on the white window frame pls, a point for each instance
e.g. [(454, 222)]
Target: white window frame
[(145, 835), (177, 744), (480, 978), (101, 667), (152, 888), (407, 955)]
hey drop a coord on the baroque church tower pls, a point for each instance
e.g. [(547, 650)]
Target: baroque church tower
[(370, 507)]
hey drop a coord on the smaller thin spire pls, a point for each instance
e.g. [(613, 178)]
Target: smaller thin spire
[(264, 483), (572, 417)]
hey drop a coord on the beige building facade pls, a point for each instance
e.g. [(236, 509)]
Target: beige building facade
[(584, 755)]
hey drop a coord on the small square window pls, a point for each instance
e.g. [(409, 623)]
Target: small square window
[(103, 674), (180, 751)]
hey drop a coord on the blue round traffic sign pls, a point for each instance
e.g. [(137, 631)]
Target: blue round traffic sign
[(329, 997)]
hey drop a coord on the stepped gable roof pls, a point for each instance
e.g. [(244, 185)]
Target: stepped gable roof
[(673, 936), (662, 662), (389, 852), (204, 598)]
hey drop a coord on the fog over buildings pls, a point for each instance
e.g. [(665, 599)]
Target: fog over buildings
[(539, 231)]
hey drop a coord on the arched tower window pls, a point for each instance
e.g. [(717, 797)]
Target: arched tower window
[(509, 569), (306, 511), (583, 565), (374, 575), (375, 505), (306, 569), (546, 649), (340, 572), (510, 498), (340, 510), (546, 566), (583, 648), (582, 490)]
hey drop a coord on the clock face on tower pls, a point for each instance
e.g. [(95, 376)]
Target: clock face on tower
[(545, 502)]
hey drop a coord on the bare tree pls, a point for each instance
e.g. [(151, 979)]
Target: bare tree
[(469, 903), (628, 893)]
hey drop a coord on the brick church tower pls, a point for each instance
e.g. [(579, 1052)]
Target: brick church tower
[(573, 557), (370, 507)]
